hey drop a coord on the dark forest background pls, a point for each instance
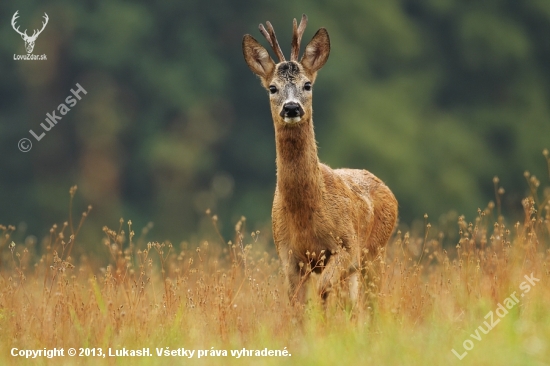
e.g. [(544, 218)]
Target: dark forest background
[(436, 97)]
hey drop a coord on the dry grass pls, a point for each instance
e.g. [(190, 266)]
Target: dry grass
[(421, 298)]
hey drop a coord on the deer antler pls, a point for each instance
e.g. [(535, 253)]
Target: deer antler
[(24, 34), (297, 32), (269, 34), (35, 35), (15, 16)]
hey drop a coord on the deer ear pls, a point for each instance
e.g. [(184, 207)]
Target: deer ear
[(257, 57), (317, 51)]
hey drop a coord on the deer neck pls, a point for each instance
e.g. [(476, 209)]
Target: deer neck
[(299, 180)]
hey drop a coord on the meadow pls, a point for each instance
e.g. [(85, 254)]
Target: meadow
[(464, 292)]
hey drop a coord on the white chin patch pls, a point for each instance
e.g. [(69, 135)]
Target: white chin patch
[(292, 120)]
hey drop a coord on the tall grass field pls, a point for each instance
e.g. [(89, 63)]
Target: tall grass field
[(469, 292)]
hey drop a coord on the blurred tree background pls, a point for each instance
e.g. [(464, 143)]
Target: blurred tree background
[(435, 97)]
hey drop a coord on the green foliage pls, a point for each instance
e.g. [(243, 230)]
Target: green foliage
[(434, 97)]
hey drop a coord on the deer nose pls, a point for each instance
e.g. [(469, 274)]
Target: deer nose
[(292, 110)]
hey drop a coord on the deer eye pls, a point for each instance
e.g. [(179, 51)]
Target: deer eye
[(307, 86), (272, 89)]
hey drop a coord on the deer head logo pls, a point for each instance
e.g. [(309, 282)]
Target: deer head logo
[(29, 41)]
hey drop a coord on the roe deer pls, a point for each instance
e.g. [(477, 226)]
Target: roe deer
[(322, 218)]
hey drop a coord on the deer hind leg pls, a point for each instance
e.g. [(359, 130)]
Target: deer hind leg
[(385, 217)]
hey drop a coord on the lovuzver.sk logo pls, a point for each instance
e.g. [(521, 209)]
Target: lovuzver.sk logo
[(29, 40)]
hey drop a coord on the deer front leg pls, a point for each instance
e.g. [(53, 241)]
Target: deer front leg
[(294, 277), (333, 271), (296, 282), (354, 287)]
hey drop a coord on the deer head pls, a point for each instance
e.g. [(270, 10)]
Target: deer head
[(289, 82), (29, 41)]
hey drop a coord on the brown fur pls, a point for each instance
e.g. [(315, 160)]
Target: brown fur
[(316, 209)]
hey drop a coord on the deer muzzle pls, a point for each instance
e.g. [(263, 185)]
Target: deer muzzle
[(292, 112)]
